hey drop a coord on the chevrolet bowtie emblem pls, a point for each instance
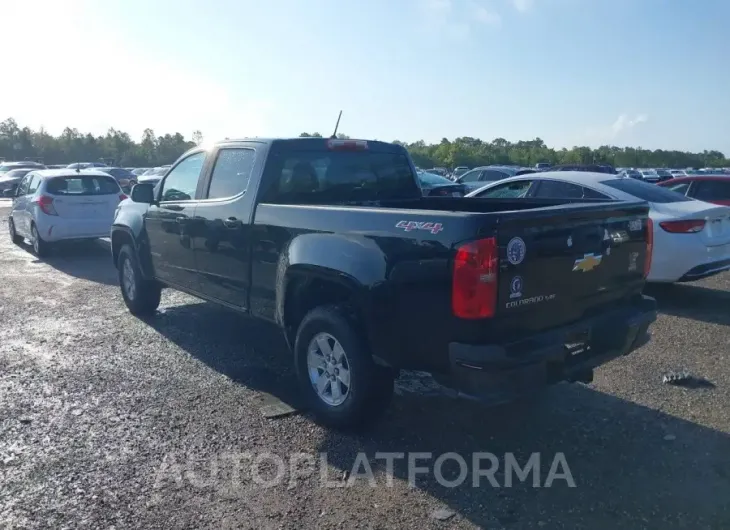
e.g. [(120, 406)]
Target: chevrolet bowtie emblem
[(587, 263)]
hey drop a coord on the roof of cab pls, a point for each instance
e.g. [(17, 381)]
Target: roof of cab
[(303, 140)]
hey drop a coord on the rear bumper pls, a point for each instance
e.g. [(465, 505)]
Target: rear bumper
[(706, 270), (53, 228), (501, 373)]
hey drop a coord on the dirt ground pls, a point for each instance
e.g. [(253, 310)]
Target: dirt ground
[(110, 421)]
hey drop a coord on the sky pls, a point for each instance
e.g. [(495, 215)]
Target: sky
[(649, 73)]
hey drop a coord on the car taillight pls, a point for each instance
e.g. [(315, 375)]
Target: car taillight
[(474, 286), (347, 145), (689, 226), (649, 246), (122, 197), (45, 203)]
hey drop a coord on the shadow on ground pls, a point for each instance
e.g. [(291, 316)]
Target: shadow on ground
[(694, 302), (86, 260), (633, 467)]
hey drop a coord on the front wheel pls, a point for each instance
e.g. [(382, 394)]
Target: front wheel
[(142, 297), (344, 387)]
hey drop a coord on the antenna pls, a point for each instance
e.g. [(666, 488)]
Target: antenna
[(337, 125)]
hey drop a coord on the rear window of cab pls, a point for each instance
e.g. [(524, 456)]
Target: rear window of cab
[(82, 185)]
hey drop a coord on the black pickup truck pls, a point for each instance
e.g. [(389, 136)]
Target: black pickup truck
[(333, 241)]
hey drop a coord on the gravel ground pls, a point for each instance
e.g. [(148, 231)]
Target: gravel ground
[(110, 421)]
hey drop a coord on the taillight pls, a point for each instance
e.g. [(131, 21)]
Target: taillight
[(122, 197), (474, 286), (45, 203), (690, 226), (649, 246), (347, 145)]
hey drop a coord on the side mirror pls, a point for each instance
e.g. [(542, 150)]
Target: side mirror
[(143, 193), (10, 192)]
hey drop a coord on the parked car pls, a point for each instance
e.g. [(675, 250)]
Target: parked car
[(332, 241), (649, 175), (663, 174), (479, 176), (139, 171), (124, 177), (708, 188), (438, 186), (11, 179), (678, 173), (59, 204), (691, 239), (153, 175), (593, 168), (9, 166), (438, 171), (631, 173), (85, 165), (458, 171)]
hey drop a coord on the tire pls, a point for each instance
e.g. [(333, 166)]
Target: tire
[(14, 237), (40, 247), (143, 297), (370, 387)]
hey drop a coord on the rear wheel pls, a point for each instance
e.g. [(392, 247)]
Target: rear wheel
[(142, 297), (40, 247), (336, 372), (14, 237)]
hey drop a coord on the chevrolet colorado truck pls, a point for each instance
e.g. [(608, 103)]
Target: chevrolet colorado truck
[(333, 241)]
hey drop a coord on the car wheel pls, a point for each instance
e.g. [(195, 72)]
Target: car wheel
[(342, 384), (40, 248), (14, 237), (142, 297)]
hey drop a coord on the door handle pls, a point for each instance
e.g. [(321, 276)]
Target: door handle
[(181, 219), (232, 222)]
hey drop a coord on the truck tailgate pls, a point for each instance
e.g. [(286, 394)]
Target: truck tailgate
[(557, 265)]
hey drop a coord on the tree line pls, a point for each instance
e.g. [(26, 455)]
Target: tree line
[(472, 152), (115, 147), (119, 148)]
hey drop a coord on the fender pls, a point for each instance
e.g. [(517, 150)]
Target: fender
[(353, 261), (130, 220)]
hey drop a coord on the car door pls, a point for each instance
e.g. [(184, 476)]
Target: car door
[(28, 204), (169, 222), (223, 239), (20, 202)]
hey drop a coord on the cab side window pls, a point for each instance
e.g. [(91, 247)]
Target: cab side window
[(182, 181), (231, 173)]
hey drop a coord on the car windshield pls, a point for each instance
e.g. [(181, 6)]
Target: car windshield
[(16, 173), (645, 191), (82, 185), (429, 179), (155, 171)]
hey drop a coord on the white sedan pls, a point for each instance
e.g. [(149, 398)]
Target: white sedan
[(63, 204), (691, 238)]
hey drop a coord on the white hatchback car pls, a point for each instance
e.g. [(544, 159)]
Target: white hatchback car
[(63, 204)]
